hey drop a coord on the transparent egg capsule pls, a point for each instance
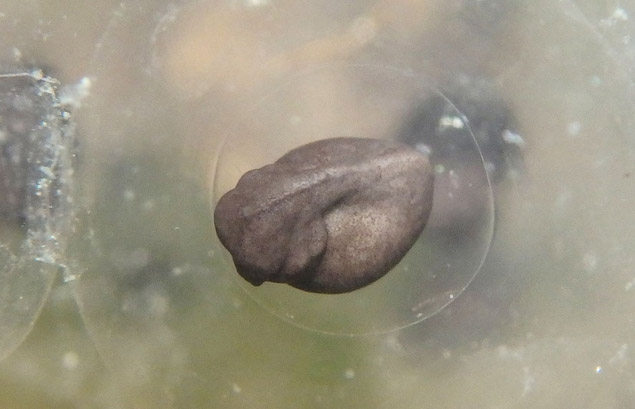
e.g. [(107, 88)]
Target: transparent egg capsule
[(380, 103)]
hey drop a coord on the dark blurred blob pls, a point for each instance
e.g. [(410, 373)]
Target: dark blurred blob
[(486, 114), (441, 125), (438, 125)]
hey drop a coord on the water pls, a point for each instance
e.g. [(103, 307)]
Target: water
[(147, 311)]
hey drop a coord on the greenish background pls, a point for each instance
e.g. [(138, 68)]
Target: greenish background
[(151, 315)]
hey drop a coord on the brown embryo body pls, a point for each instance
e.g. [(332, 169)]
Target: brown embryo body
[(331, 216)]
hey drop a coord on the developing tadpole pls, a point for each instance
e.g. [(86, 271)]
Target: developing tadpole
[(331, 216)]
